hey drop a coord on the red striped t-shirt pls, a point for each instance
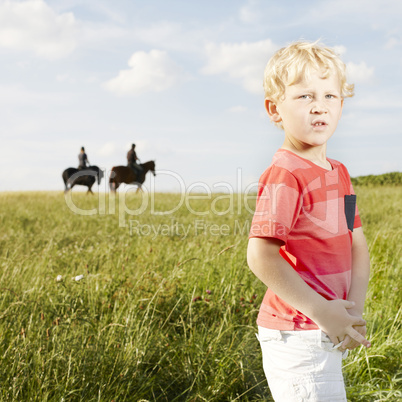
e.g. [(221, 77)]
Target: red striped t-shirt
[(303, 205)]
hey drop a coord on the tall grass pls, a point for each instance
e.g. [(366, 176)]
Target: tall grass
[(161, 317), (375, 374)]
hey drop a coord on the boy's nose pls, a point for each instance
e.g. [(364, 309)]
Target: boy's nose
[(318, 108)]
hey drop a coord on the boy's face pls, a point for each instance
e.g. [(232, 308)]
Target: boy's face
[(309, 111)]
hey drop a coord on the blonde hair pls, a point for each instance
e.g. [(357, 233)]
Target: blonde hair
[(295, 62)]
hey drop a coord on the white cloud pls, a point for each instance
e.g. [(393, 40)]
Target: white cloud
[(392, 42), (65, 78), (374, 11), (340, 50), (32, 25), (149, 72), (240, 61), (182, 37), (107, 149), (250, 13), (162, 32), (237, 109), (116, 152), (358, 73), (388, 166), (384, 99), (16, 95)]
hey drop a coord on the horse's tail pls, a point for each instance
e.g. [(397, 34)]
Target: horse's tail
[(65, 180), (112, 181)]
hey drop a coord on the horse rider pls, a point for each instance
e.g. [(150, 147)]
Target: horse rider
[(132, 160), (83, 159)]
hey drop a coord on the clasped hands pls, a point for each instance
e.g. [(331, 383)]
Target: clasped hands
[(342, 324)]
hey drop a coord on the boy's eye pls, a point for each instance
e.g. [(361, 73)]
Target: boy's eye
[(305, 96), (329, 96)]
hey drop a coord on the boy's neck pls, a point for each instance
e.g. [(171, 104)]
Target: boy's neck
[(316, 155)]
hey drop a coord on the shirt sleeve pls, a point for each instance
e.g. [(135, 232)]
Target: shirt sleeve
[(278, 204)]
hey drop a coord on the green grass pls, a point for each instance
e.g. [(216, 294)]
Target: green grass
[(167, 316), (386, 179)]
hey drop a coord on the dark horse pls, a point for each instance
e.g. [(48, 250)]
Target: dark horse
[(124, 174), (83, 177)]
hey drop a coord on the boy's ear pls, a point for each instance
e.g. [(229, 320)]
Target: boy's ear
[(272, 111), (340, 114)]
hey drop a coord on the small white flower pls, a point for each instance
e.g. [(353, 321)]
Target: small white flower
[(59, 278), (78, 278)]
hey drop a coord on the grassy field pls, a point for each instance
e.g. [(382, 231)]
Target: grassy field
[(166, 307)]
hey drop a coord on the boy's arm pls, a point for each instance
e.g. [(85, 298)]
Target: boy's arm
[(359, 283), (330, 315)]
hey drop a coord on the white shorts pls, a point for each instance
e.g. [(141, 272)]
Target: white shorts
[(302, 366)]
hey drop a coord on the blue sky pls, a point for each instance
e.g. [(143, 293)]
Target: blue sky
[(183, 80)]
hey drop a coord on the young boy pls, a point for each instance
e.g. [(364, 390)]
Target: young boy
[(306, 242)]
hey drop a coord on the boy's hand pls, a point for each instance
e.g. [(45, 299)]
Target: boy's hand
[(340, 325), (348, 342)]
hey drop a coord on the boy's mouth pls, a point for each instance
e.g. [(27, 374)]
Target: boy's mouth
[(318, 123)]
